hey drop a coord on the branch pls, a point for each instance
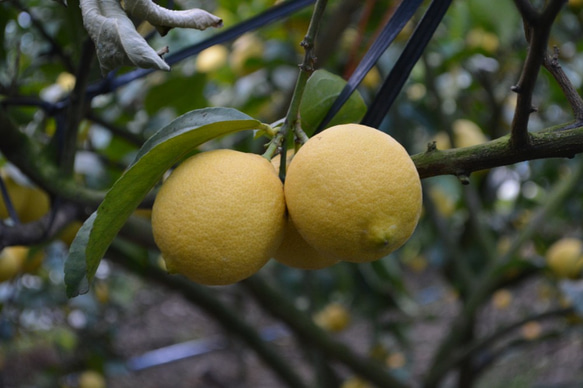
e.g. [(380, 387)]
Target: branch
[(28, 157), (67, 136), (310, 333), (537, 29), (40, 231), (551, 63), (289, 127), (55, 47), (457, 357), (202, 297), (490, 279), (563, 141)]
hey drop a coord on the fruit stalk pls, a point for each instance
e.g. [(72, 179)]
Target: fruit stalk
[(285, 136)]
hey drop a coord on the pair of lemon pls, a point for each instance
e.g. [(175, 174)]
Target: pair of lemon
[(351, 193)]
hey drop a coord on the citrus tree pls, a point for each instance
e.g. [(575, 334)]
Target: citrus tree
[(403, 206)]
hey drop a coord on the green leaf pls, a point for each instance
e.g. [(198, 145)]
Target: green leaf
[(167, 147), (321, 90), (181, 93)]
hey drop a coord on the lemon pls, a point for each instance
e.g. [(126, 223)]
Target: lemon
[(466, 133), (91, 379), (353, 193), (294, 251), (212, 58), (18, 195), (11, 260), (355, 382), (565, 257), (68, 233), (334, 317), (247, 52), (219, 217), (30, 203)]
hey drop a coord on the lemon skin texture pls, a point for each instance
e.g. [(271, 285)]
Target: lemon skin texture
[(294, 251), (354, 193), (219, 217), (565, 258)]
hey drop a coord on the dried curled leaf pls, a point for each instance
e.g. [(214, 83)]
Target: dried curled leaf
[(164, 19), (116, 40)]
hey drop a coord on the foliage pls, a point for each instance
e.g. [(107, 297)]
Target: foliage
[(475, 269)]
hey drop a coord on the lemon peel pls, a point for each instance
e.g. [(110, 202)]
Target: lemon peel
[(219, 217), (354, 193)]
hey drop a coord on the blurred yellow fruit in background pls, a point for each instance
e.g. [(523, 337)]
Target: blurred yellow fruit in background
[(565, 258), (334, 317), (212, 58)]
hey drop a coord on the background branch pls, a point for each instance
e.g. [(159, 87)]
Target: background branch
[(310, 333)]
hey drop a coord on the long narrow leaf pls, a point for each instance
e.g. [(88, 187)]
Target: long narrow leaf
[(400, 18), (159, 153), (409, 57)]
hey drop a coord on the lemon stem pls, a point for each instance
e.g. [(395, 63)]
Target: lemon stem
[(285, 136)]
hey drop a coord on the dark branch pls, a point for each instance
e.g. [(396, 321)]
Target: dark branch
[(558, 142), (537, 29), (551, 63)]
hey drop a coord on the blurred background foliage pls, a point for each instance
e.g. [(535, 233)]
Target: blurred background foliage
[(523, 327)]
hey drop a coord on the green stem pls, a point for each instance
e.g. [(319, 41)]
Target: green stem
[(306, 69)]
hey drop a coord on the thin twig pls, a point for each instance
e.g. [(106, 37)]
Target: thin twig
[(480, 345), (55, 46), (551, 63), (289, 127), (537, 30)]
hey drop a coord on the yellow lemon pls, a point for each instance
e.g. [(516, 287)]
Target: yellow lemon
[(68, 233), (294, 251), (91, 379), (353, 193), (565, 257), (355, 382), (219, 217), (11, 259), (334, 317), (18, 196), (247, 52), (212, 58), (466, 133), (30, 203)]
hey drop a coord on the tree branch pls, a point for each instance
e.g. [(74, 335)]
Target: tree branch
[(201, 296), (490, 277), (309, 332), (537, 29), (563, 141), (40, 231), (457, 357), (28, 157), (551, 63)]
